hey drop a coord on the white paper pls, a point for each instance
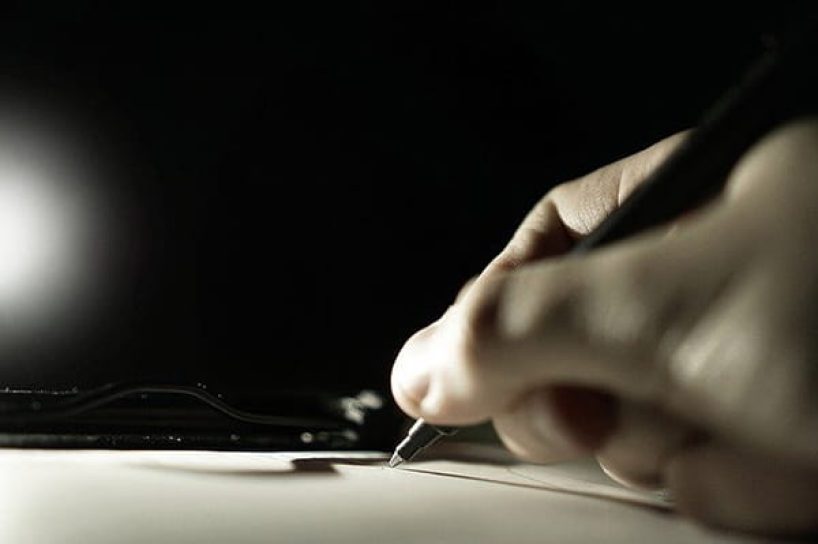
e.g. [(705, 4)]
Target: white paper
[(75, 497)]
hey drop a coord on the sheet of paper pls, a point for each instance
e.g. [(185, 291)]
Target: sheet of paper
[(185, 497), (579, 478)]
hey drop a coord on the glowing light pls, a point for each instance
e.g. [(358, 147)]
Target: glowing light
[(35, 234), (45, 223), (56, 231)]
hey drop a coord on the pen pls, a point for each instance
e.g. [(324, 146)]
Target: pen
[(420, 436), (779, 86)]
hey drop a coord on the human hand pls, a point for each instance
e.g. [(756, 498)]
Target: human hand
[(685, 357)]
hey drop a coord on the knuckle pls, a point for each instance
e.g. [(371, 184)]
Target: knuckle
[(629, 307), (540, 234), (522, 247), (540, 300), (466, 288)]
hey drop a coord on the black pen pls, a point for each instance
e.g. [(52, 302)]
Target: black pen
[(420, 436), (778, 87)]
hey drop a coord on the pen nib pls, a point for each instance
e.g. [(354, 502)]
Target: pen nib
[(395, 460)]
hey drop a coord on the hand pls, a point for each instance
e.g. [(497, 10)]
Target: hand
[(685, 357)]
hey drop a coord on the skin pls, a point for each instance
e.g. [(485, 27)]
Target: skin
[(685, 358)]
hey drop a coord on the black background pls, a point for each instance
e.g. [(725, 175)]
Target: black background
[(312, 185)]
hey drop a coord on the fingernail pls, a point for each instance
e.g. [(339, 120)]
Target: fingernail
[(547, 430)]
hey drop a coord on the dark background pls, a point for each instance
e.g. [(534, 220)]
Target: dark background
[(309, 187)]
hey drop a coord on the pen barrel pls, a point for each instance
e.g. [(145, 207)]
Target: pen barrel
[(425, 433), (781, 86), (420, 436)]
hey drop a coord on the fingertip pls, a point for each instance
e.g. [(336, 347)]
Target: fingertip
[(410, 376), (427, 379), (410, 382), (408, 400), (557, 423), (636, 453), (531, 433)]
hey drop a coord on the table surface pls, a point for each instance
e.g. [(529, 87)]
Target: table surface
[(92, 497)]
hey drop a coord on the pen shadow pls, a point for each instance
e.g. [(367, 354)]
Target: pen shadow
[(297, 467)]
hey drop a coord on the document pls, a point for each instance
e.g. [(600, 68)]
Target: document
[(95, 497)]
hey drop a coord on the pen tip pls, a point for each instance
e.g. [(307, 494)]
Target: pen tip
[(395, 460)]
